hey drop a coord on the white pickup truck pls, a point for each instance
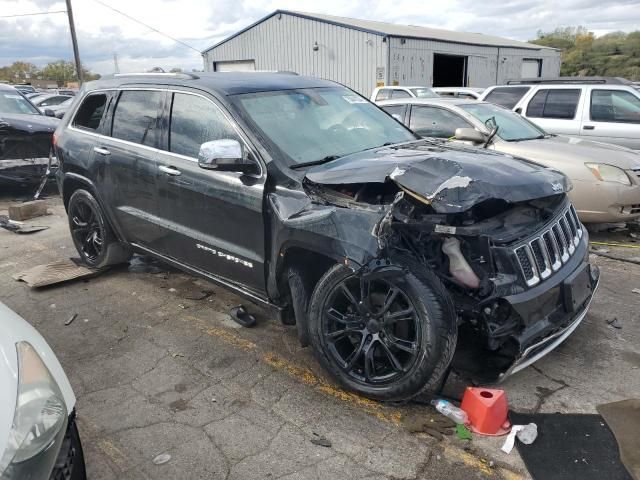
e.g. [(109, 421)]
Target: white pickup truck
[(601, 109)]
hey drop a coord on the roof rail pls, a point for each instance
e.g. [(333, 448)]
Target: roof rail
[(159, 74), (284, 72), (571, 80)]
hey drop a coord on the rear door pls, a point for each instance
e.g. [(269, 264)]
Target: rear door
[(507, 97), (556, 110), (211, 220), (612, 116), (129, 155)]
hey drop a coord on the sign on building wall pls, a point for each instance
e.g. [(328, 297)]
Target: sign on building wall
[(380, 77)]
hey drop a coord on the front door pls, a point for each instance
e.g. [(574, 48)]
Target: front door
[(210, 220)]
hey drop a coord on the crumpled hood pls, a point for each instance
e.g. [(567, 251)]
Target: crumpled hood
[(25, 136), (451, 178), (14, 329), (561, 149)]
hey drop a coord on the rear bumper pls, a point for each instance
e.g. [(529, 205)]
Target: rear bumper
[(542, 346)]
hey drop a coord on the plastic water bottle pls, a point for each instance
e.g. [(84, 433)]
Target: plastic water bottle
[(450, 411)]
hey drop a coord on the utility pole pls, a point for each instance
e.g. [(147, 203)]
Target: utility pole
[(74, 41), (116, 68)]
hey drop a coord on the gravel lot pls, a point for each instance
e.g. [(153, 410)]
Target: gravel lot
[(157, 371)]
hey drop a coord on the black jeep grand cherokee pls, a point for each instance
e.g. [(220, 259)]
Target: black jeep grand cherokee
[(300, 194)]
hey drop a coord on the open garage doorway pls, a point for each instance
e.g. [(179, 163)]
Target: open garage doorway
[(449, 70)]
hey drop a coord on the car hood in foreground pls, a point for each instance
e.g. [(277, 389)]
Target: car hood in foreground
[(556, 150), (451, 178), (14, 329), (25, 136)]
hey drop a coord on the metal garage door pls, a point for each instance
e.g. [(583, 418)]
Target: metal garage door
[(530, 68), (234, 66)]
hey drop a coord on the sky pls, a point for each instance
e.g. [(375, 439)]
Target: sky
[(202, 23)]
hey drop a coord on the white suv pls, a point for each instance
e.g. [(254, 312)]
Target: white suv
[(600, 109), (397, 92)]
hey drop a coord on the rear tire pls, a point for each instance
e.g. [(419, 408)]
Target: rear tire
[(402, 328), (92, 236)]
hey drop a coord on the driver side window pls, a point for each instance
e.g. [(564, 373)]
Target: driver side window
[(194, 121), (435, 122)]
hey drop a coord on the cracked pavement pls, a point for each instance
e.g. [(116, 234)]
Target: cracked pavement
[(156, 371)]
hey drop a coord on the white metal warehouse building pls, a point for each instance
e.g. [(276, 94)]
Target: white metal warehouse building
[(363, 53)]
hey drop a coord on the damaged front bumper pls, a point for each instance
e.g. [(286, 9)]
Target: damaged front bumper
[(23, 172), (555, 336)]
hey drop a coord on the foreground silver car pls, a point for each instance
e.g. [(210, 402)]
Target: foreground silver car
[(606, 178)]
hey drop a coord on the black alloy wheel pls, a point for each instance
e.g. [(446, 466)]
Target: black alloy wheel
[(371, 329), (87, 231)]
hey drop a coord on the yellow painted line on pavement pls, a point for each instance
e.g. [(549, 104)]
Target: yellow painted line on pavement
[(613, 244)]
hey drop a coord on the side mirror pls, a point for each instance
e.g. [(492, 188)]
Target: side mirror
[(49, 113), (469, 135), (225, 156)]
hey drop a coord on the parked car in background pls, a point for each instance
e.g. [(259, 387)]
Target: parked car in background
[(25, 139), (459, 92), (25, 88), (33, 95), (300, 195), (595, 108), (67, 91), (58, 111), (49, 100), (39, 438), (605, 178), (393, 92)]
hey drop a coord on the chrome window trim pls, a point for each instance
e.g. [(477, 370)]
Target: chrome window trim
[(231, 121)]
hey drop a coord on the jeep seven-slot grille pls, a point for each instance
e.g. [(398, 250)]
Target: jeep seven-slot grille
[(547, 252)]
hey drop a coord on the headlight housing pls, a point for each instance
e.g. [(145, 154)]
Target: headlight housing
[(40, 417), (608, 173)]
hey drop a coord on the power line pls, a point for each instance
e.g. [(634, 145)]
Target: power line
[(147, 26), (32, 14)]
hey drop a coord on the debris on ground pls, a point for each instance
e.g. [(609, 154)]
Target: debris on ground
[(240, 315), (54, 273), (436, 426), (615, 323), (162, 458), (198, 294), (71, 319), (27, 210), (320, 440), (463, 432), (527, 434), (18, 227), (636, 290), (450, 411)]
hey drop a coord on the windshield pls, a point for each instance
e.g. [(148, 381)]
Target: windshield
[(312, 124), (14, 102), (424, 93), (511, 126)]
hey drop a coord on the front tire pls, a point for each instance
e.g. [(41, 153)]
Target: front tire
[(92, 236), (388, 338)]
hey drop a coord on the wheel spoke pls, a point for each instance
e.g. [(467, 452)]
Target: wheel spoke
[(347, 293), (389, 299), (400, 316), (338, 334), (365, 291), (400, 344), (369, 362), (355, 355), (336, 316), (392, 358)]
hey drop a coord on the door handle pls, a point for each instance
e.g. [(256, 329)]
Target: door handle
[(588, 127), (101, 151), (169, 170)]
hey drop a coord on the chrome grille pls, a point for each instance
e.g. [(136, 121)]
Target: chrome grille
[(544, 254)]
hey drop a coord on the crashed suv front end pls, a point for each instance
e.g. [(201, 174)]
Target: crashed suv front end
[(512, 254)]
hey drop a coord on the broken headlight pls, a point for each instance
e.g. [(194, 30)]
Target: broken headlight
[(608, 173), (39, 420)]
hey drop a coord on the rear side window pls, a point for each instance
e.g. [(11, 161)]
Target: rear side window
[(615, 106), (383, 94), (435, 122), (194, 121), (396, 111), (400, 94), (90, 112), (506, 96), (135, 118), (554, 103)]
